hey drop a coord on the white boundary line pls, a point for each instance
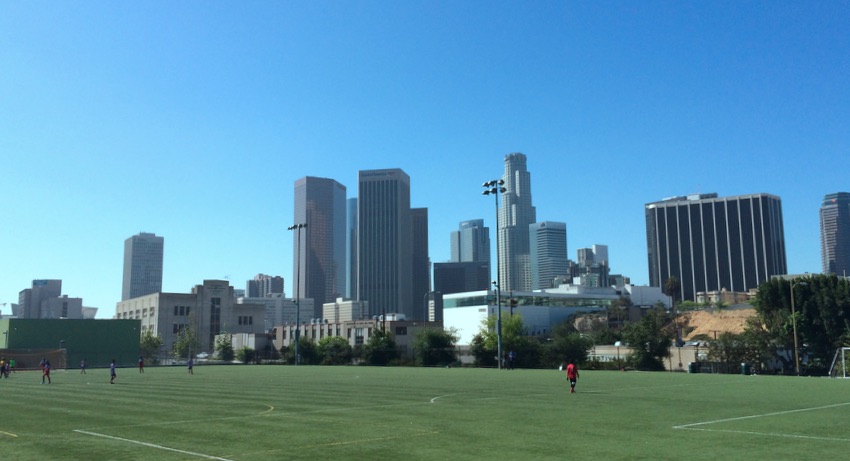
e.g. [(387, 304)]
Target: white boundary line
[(693, 426), (776, 413), (152, 445)]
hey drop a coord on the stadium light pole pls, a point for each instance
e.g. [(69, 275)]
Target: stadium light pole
[(794, 327), (297, 228), (496, 188)]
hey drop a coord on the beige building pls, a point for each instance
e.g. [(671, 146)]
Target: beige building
[(357, 332), (210, 309)]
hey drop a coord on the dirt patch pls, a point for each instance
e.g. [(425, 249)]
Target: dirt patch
[(715, 322)]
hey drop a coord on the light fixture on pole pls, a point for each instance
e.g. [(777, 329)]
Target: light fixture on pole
[(495, 188), (297, 228), (794, 327)]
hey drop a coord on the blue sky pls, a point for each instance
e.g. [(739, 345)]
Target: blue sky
[(193, 120)]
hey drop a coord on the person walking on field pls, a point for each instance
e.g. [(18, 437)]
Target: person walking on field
[(45, 372), (112, 372), (572, 375), (141, 364)]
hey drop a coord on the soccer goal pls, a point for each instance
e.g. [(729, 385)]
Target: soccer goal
[(30, 359), (840, 365)]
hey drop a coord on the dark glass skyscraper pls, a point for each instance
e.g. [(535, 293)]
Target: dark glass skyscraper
[(835, 233), (320, 203), (714, 243), (384, 242)]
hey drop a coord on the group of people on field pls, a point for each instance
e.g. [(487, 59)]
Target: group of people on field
[(6, 367)]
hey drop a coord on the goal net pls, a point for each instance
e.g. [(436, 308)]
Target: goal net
[(30, 359), (840, 367)]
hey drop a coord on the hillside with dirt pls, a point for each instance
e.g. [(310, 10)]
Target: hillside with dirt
[(714, 322)]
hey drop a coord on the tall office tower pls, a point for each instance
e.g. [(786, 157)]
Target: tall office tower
[(385, 248), (142, 265), (351, 250), (471, 242), (515, 215), (264, 285), (835, 233), (320, 203), (421, 270), (548, 253), (712, 243)]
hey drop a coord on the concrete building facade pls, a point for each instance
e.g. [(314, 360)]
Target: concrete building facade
[(209, 310)]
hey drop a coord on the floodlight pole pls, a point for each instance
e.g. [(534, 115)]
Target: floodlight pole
[(794, 328), (297, 228), (495, 188)]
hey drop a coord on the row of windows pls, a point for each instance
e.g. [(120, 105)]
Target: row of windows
[(182, 310), (137, 314), (246, 320)]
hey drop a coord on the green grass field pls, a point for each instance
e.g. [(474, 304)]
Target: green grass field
[(243, 413)]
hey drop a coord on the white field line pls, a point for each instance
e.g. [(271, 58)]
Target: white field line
[(152, 445), (776, 413), (767, 434)]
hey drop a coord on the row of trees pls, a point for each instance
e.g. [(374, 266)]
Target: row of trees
[(821, 317)]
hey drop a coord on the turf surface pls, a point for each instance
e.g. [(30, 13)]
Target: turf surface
[(242, 413)]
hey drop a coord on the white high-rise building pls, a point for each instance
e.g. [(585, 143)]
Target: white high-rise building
[(515, 215), (143, 256), (548, 253)]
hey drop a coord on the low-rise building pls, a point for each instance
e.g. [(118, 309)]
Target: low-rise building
[(209, 310)]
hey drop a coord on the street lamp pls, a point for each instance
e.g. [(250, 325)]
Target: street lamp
[(618, 344), (794, 327), (495, 188), (297, 228)]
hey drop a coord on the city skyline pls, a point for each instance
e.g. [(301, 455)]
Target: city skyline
[(194, 122)]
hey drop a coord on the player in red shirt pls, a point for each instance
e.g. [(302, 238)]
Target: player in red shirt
[(572, 375)]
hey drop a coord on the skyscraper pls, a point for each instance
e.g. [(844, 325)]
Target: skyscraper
[(263, 285), (515, 215), (143, 255), (351, 250), (712, 243), (320, 203), (548, 253), (385, 248), (471, 242), (835, 233), (421, 271)]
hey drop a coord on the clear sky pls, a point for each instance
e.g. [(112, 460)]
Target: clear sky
[(192, 120)]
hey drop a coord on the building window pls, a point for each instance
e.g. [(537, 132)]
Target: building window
[(401, 331), (175, 311)]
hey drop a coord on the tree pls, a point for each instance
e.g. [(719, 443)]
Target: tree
[(186, 343), (649, 340), (565, 344), (246, 354), (149, 346), (672, 288), (224, 347), (435, 346), (381, 348), (307, 349), (514, 338), (334, 350), (822, 306)]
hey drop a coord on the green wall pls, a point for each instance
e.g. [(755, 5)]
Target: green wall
[(98, 341)]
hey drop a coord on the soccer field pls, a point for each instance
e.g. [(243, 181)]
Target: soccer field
[(251, 412)]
